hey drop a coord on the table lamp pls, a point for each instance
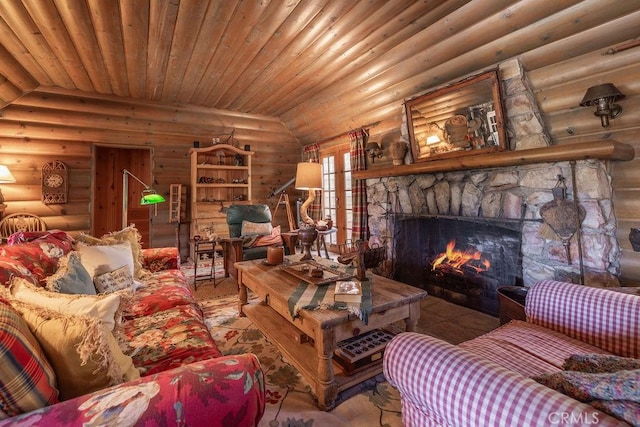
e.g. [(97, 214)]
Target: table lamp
[(5, 177), (308, 177)]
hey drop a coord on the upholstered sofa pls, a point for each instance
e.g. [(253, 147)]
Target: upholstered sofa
[(169, 371), (497, 379)]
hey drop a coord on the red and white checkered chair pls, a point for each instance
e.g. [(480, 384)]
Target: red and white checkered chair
[(486, 381)]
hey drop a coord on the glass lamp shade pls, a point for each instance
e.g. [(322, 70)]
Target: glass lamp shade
[(6, 175), (150, 197)]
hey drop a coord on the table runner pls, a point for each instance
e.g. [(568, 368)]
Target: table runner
[(313, 297)]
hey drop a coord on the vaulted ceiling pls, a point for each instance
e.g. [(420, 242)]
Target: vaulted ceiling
[(321, 66)]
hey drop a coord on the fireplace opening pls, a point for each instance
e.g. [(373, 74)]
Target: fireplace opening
[(462, 260)]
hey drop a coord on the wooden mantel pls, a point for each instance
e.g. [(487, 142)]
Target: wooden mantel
[(603, 150)]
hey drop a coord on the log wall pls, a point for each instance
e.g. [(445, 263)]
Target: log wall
[(57, 124)]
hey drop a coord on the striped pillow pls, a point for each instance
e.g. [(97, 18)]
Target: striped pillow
[(27, 381)]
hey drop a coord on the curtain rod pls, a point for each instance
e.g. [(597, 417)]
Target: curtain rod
[(370, 125)]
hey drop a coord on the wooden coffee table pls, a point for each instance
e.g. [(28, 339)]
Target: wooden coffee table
[(309, 340)]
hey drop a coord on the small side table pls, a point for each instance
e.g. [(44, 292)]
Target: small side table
[(208, 248), (512, 301), (322, 243)]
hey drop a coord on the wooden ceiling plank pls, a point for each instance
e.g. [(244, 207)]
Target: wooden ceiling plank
[(245, 16), (506, 43), (19, 21), (11, 69), (77, 20), (105, 16), (162, 20), (261, 33), (135, 29), (356, 45), (385, 35), (188, 24), (203, 62), (50, 24), (296, 21), (23, 57), (345, 29), (289, 56), (8, 91)]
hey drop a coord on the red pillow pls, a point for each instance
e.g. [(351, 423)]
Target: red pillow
[(27, 380), (271, 239)]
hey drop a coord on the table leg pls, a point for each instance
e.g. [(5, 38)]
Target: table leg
[(414, 315), (327, 389), (242, 294)]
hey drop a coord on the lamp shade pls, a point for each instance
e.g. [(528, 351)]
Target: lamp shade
[(309, 176), (6, 175), (606, 91), (150, 197)]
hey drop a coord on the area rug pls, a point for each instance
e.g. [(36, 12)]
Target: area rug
[(290, 400)]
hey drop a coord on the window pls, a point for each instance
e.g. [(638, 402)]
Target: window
[(336, 193)]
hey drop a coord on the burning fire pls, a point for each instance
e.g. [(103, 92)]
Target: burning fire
[(457, 260)]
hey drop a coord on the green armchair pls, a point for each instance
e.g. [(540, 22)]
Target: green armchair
[(234, 247)]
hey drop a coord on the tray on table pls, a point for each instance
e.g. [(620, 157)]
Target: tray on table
[(330, 275)]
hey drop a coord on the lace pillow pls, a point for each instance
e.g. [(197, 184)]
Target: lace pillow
[(114, 281)]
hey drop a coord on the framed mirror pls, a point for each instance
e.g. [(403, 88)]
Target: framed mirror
[(462, 119)]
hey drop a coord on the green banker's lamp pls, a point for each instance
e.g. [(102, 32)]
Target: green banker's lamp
[(149, 195)]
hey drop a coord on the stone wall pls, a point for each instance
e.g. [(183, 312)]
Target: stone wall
[(514, 193)]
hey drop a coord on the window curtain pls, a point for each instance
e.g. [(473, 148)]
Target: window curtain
[(312, 153), (358, 140)]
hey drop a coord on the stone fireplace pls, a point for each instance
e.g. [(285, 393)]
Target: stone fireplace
[(510, 195)]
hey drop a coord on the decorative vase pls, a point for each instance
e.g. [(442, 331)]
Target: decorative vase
[(307, 234), (398, 151)]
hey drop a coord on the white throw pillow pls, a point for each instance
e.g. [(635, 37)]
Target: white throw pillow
[(105, 308), (106, 258)]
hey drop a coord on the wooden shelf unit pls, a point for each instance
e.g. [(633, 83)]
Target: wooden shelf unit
[(220, 176)]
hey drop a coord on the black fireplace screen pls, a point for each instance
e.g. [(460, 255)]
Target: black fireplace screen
[(459, 259)]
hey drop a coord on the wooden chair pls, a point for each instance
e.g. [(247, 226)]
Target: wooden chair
[(21, 222)]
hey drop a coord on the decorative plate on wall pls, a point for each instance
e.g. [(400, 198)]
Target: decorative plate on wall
[(54, 183)]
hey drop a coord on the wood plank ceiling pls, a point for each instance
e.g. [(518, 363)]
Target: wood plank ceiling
[(321, 66)]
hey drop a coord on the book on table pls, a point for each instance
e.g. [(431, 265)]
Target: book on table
[(348, 291)]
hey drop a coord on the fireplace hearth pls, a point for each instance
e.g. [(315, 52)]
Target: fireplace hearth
[(463, 260)]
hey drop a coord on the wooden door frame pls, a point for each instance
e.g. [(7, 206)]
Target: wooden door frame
[(144, 172)]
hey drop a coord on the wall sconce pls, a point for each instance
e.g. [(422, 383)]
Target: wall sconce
[(5, 177), (603, 97), (373, 150)]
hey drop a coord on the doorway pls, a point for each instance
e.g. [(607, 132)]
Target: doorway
[(109, 163)]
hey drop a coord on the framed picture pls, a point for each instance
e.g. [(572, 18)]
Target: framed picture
[(461, 119)]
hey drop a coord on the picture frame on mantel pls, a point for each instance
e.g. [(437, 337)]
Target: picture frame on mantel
[(464, 118)]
